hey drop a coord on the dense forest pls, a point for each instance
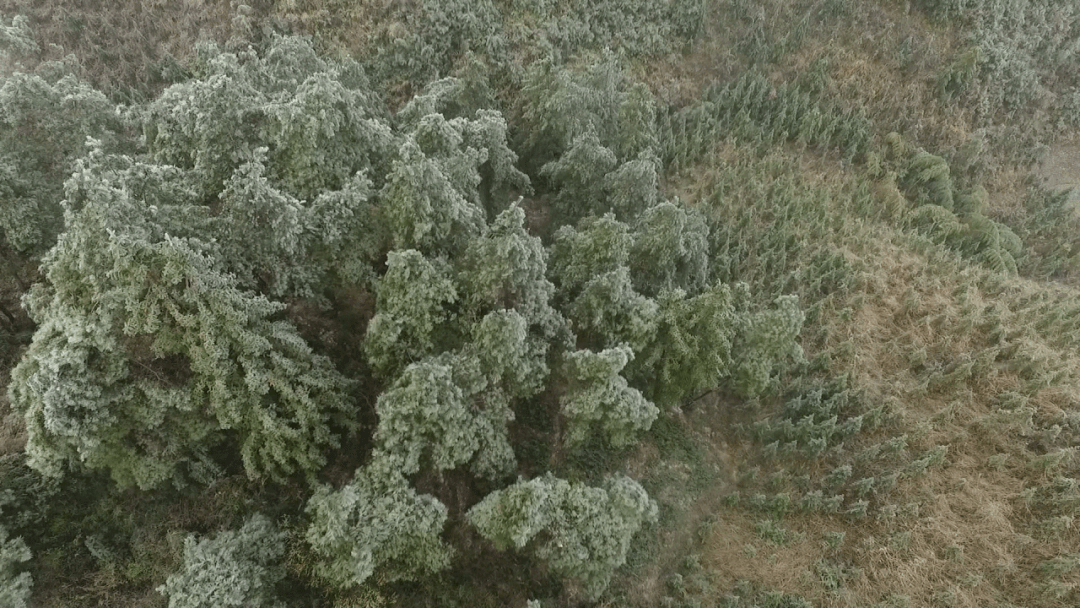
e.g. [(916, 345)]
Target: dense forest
[(546, 304)]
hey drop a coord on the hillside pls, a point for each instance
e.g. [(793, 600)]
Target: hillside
[(316, 303)]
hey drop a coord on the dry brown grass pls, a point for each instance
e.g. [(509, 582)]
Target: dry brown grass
[(122, 44)]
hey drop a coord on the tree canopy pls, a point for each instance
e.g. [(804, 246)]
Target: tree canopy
[(168, 339)]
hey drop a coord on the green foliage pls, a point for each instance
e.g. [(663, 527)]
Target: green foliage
[(584, 532), (608, 312), (598, 396), (431, 200), (578, 176), (235, 568), (764, 339), (692, 349), (45, 117), (14, 586), (596, 246), (146, 352), (27, 499), (412, 299), (506, 268), (948, 215), (755, 110), (376, 523), (161, 348), (319, 120), (17, 38), (511, 359), (437, 413), (670, 251), (594, 110)]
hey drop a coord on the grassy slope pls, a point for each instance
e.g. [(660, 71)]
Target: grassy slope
[(978, 527)]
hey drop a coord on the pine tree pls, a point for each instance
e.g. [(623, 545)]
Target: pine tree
[(438, 414), (377, 523), (413, 300), (584, 532), (319, 120), (578, 176), (597, 396), (692, 350), (422, 200), (671, 250), (608, 312), (506, 268), (146, 352), (597, 246)]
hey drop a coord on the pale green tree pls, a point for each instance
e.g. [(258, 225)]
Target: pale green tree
[(633, 186), (319, 120), (377, 523), (671, 250), (597, 245), (637, 135), (14, 586), (560, 106), (147, 353), (506, 268), (609, 312), (45, 119), (425, 209), (511, 358), (598, 398), (433, 417), (581, 532), (17, 39), (234, 569), (765, 338), (413, 300), (578, 177)]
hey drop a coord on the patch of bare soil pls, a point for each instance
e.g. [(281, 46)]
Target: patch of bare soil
[(1060, 168)]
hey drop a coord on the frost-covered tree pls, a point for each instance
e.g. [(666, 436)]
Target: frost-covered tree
[(14, 586), (671, 250), (636, 130), (430, 197), (16, 39), (597, 245), (511, 359), (560, 106), (633, 187), (578, 177), (764, 338), (609, 312), (45, 118), (506, 268), (439, 415), (598, 397), (282, 245), (377, 523), (319, 120), (147, 353), (581, 532), (413, 300), (234, 569)]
